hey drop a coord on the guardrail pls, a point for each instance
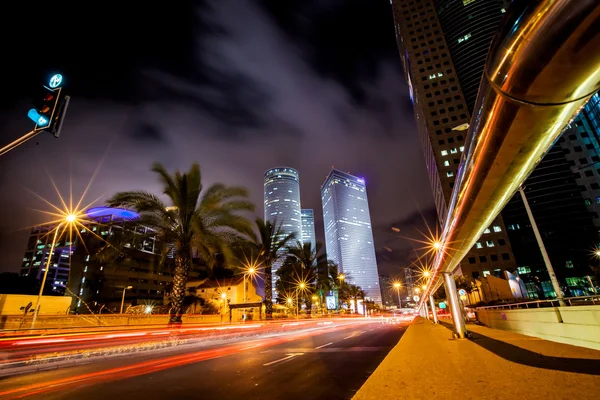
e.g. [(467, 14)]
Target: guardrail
[(572, 301)]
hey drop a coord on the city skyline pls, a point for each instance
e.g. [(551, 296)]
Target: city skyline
[(292, 101)]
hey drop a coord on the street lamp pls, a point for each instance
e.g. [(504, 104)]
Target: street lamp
[(123, 298), (251, 271), (397, 285), (301, 286), (341, 278), (68, 220)]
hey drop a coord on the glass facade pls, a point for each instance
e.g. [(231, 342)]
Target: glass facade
[(441, 104), (469, 29), (308, 227), (282, 205), (348, 234)]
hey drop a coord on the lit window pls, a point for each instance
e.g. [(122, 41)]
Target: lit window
[(497, 228), (486, 273), (449, 174), (444, 152), (489, 243), (478, 245), (463, 38), (447, 164), (487, 230), (462, 148), (453, 151), (523, 270)]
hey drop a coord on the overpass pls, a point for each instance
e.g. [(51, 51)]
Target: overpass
[(542, 67)]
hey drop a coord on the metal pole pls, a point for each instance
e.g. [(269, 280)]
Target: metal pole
[(244, 299), (592, 284), (19, 141), (39, 298), (426, 308), (433, 312), (399, 300), (460, 330), (123, 299), (538, 237), (297, 306)]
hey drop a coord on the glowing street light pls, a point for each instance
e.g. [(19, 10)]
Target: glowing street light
[(397, 285), (436, 245), (123, 298), (68, 221)]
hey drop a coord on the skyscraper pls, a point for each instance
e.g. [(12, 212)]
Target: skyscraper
[(348, 234), (308, 227), (282, 204), (436, 63)]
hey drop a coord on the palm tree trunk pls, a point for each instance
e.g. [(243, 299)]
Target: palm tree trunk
[(182, 269), (268, 293)]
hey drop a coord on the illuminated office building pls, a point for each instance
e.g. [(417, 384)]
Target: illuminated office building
[(348, 234), (308, 227), (443, 45), (282, 205)]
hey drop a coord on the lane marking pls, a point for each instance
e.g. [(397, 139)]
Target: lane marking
[(320, 347), (289, 357), (348, 337)]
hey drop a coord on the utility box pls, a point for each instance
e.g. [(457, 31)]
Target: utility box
[(23, 304)]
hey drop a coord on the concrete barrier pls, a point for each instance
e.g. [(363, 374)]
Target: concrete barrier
[(19, 322), (579, 325)]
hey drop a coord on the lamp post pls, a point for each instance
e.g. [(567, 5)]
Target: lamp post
[(397, 285), (250, 272), (341, 279), (123, 298), (39, 298), (301, 286)]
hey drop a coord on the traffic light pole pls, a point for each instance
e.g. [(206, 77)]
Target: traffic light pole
[(19, 142)]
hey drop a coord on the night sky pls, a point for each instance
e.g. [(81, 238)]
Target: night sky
[(239, 86)]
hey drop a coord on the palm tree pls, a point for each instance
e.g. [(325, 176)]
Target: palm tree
[(195, 222), (316, 270), (355, 292), (268, 243)]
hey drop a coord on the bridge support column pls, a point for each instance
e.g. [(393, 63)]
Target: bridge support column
[(433, 312), (460, 329), (426, 309)]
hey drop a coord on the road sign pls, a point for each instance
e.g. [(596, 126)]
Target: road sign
[(55, 81), (442, 305), (462, 292), (416, 298)]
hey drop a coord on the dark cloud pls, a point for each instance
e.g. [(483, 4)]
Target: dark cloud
[(147, 132), (239, 95)]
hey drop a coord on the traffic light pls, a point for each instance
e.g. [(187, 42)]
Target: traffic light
[(45, 106), (49, 107)]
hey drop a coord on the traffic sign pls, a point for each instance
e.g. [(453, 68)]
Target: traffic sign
[(462, 292), (55, 81), (442, 305)]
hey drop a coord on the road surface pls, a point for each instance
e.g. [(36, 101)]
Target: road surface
[(316, 364)]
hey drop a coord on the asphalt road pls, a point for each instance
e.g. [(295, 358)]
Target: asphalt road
[(325, 364)]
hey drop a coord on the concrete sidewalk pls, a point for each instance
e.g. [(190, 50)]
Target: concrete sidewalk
[(428, 364)]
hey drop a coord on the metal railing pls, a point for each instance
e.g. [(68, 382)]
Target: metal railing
[(572, 301)]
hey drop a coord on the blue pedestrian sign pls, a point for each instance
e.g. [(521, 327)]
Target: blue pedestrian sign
[(55, 81), (40, 120)]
